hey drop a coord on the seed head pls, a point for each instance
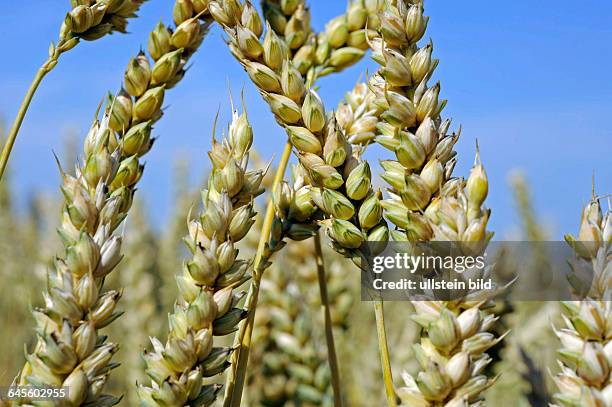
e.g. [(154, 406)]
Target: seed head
[(292, 83), (304, 140), (416, 23), (370, 212), (344, 57), (336, 204), (356, 15), (182, 10), (477, 186), (251, 20), (345, 233), (248, 42), (275, 50), (264, 77), (286, 109), (337, 31), (358, 181)]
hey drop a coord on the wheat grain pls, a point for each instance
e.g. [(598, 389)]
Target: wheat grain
[(207, 303), (69, 350), (585, 376)]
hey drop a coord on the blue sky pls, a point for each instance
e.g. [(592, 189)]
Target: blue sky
[(530, 80)]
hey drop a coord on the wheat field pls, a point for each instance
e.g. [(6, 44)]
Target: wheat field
[(250, 291)]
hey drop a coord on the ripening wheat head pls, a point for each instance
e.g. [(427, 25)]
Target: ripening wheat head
[(207, 303), (585, 356), (69, 350)]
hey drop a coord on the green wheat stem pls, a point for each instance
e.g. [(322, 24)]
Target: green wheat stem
[(329, 334)]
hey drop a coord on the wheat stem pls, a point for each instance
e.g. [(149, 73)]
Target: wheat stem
[(329, 334), (383, 350), (242, 343), (25, 104)]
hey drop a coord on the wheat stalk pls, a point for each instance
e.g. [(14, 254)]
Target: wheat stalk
[(69, 350), (287, 365), (88, 20), (207, 303), (585, 376)]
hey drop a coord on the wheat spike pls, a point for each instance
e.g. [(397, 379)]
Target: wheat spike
[(328, 164), (427, 204), (457, 333), (585, 377), (410, 124), (207, 305), (70, 351)]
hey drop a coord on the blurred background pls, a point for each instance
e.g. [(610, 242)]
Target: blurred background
[(528, 80)]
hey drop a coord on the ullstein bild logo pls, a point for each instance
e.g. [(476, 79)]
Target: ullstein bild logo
[(528, 271)]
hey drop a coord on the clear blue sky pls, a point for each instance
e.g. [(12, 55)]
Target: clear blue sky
[(530, 80)]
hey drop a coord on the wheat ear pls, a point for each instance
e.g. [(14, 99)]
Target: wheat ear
[(426, 203), (455, 334), (342, 44), (585, 376), (88, 20), (207, 303), (69, 350)]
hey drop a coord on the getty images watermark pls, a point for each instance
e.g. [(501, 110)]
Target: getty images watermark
[(529, 271)]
